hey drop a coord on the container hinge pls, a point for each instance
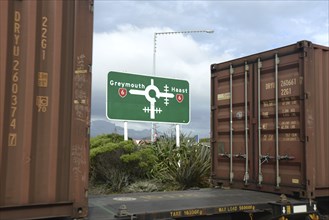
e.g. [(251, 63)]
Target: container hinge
[(90, 68), (304, 54), (213, 67), (306, 95), (231, 70), (304, 139), (91, 6)]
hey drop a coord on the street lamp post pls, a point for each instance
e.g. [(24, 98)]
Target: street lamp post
[(154, 67)]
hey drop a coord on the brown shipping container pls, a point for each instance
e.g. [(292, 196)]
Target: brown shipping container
[(45, 86), (270, 121)]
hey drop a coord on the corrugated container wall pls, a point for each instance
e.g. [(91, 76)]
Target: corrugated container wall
[(45, 86), (270, 121)]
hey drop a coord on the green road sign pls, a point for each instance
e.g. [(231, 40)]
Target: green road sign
[(132, 97)]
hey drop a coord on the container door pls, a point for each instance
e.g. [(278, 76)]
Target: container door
[(280, 102), (230, 124)]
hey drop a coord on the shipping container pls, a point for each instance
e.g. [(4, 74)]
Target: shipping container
[(269, 121), (45, 86)]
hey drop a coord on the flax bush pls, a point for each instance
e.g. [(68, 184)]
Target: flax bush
[(186, 166), (123, 166)]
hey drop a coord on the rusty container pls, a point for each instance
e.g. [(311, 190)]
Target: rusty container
[(45, 86), (270, 121)]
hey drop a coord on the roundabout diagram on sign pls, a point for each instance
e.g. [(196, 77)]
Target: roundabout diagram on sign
[(152, 100)]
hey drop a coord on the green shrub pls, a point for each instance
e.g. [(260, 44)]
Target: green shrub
[(204, 140), (122, 165), (118, 164), (187, 165), (104, 139)]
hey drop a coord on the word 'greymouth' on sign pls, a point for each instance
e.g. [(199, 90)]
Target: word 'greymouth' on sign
[(127, 84)]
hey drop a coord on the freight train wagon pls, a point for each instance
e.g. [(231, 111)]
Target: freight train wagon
[(269, 141), (45, 75), (203, 204), (269, 122)]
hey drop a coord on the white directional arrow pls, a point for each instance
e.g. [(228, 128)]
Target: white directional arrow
[(137, 92)]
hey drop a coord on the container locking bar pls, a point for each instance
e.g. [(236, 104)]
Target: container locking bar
[(246, 69), (226, 155), (286, 157), (278, 179), (266, 158), (243, 156), (260, 156), (231, 123)]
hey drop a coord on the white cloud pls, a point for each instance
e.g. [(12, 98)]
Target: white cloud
[(130, 49), (322, 39), (124, 32)]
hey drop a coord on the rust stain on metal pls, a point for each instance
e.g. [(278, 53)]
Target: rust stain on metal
[(46, 52)]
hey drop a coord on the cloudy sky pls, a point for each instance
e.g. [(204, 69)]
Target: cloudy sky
[(124, 32)]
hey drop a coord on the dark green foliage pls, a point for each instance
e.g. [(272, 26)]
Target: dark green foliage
[(186, 166), (105, 138), (204, 140), (118, 164), (194, 166), (122, 165)]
